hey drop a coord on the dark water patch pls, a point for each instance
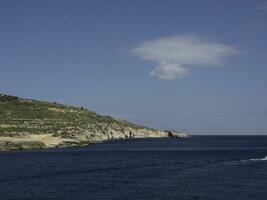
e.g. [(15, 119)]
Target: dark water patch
[(207, 167)]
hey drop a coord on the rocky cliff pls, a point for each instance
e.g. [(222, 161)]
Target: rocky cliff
[(27, 124)]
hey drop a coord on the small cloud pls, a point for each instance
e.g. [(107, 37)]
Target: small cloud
[(169, 71), (176, 54)]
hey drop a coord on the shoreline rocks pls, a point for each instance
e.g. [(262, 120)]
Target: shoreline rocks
[(29, 124), (42, 141)]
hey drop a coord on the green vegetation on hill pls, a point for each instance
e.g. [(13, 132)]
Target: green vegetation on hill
[(25, 116), (27, 124)]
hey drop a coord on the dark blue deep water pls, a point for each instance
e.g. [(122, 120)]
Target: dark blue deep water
[(197, 168)]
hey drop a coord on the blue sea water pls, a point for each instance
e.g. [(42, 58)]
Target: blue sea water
[(197, 168)]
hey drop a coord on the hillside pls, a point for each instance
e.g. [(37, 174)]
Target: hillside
[(26, 124)]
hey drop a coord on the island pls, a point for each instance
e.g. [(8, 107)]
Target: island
[(28, 124)]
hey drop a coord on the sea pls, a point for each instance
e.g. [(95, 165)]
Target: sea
[(194, 168)]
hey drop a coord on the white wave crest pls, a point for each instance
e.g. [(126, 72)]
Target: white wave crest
[(258, 159), (246, 160)]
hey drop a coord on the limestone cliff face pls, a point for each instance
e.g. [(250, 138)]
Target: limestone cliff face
[(26, 124)]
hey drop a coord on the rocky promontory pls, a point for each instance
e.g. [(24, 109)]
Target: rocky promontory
[(28, 124)]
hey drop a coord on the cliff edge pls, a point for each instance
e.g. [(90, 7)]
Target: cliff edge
[(27, 124)]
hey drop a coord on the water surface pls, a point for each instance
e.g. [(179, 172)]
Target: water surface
[(200, 167)]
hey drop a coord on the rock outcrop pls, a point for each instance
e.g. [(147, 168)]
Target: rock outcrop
[(27, 124)]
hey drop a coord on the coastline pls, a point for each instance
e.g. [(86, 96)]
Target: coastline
[(43, 141), (31, 124)]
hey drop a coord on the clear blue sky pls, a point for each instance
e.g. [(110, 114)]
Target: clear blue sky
[(197, 66)]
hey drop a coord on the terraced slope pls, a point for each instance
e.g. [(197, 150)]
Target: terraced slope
[(26, 123)]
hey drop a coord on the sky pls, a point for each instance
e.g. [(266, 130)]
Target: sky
[(195, 66)]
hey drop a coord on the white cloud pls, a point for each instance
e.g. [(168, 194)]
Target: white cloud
[(169, 71), (175, 55)]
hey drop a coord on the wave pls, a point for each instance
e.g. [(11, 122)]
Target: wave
[(257, 159), (250, 160), (234, 162)]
